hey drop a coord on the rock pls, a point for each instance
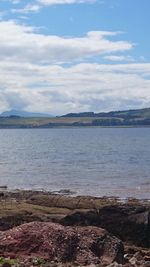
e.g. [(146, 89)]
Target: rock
[(133, 261), (137, 259), (147, 258), (130, 223), (54, 242), (10, 221), (115, 264), (6, 265)]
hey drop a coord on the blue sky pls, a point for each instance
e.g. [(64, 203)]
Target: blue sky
[(60, 56)]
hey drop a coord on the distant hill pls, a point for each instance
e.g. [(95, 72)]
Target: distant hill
[(21, 113), (125, 114), (82, 114)]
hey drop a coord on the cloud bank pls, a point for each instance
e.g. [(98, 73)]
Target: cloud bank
[(55, 74)]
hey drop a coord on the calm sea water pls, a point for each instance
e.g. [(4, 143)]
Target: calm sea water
[(88, 161)]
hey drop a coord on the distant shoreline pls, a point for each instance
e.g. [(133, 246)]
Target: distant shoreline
[(69, 122), (126, 118), (70, 127)]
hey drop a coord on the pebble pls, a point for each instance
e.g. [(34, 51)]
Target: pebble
[(115, 264)]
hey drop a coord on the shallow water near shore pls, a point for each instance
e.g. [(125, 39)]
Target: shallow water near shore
[(87, 161)]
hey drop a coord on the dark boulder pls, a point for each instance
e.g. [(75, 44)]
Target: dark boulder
[(130, 223)]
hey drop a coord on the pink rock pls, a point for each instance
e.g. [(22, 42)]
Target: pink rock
[(54, 242)]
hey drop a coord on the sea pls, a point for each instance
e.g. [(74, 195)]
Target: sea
[(90, 161)]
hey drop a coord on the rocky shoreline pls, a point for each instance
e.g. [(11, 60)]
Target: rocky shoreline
[(44, 229)]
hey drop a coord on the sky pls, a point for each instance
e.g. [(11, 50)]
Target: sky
[(62, 56)]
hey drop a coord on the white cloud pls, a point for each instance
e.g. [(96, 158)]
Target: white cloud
[(119, 58), (15, 2), (55, 2), (23, 43), (26, 9), (36, 5)]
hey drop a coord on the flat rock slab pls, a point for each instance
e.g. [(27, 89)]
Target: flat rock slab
[(54, 242)]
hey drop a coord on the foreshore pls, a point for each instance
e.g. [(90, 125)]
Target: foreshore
[(127, 220)]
